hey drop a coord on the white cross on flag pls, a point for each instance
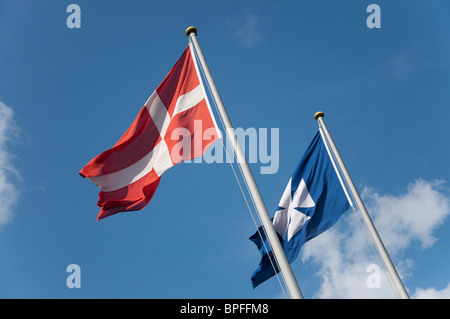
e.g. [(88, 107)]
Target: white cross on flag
[(289, 218), (129, 173)]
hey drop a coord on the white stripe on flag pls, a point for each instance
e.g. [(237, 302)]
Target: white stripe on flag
[(119, 179), (158, 113), (189, 100), (159, 157)]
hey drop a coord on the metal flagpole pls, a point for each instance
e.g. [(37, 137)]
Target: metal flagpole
[(367, 220), (277, 250)]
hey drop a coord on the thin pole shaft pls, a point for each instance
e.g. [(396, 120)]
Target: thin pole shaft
[(367, 220), (277, 250)]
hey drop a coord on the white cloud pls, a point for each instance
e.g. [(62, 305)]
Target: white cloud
[(344, 252), (246, 30), (431, 293), (8, 190), (409, 217)]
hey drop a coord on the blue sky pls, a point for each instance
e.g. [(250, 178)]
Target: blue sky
[(68, 94)]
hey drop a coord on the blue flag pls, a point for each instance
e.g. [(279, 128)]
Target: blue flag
[(312, 202)]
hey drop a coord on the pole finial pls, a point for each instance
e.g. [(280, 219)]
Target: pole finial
[(319, 114), (190, 30)]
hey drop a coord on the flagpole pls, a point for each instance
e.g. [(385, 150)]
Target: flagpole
[(367, 220), (277, 250)]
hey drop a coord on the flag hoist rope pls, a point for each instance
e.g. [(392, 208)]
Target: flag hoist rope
[(363, 211), (277, 249), (272, 261), (345, 187), (231, 162)]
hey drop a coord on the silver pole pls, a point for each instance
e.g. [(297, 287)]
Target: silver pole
[(367, 220), (277, 250)]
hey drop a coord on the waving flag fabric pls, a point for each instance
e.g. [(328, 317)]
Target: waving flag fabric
[(178, 111), (311, 203)]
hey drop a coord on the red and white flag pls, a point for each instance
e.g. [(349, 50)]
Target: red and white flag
[(130, 171)]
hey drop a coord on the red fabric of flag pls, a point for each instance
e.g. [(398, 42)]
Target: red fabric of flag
[(170, 128)]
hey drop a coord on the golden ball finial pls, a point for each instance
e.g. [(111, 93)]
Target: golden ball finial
[(319, 114), (191, 29)]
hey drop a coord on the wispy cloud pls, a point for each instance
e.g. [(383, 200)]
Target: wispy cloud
[(344, 253), (412, 216), (432, 293), (246, 30), (8, 173)]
